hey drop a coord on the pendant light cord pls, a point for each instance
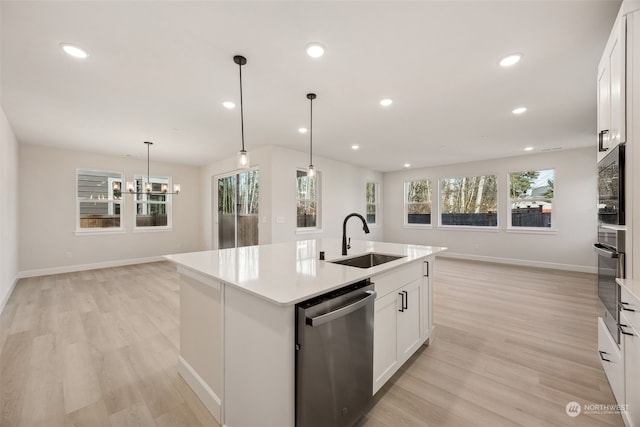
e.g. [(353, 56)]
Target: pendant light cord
[(311, 135), (148, 174), (241, 108)]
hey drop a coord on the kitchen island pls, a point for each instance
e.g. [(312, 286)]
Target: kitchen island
[(237, 314)]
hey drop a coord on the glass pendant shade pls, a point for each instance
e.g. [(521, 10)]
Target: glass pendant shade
[(243, 160), (176, 188), (311, 172), (147, 187)]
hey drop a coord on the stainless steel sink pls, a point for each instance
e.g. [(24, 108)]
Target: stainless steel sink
[(367, 260)]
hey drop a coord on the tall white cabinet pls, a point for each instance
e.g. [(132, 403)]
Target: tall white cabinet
[(611, 94), (618, 109)]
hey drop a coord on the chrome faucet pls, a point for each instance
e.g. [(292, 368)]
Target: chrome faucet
[(365, 227)]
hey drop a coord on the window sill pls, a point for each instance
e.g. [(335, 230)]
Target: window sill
[(308, 230), (151, 229), (418, 226), (97, 231), (530, 230), (487, 229)]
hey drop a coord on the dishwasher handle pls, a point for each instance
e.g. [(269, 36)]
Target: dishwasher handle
[(342, 311)]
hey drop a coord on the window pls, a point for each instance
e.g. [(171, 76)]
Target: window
[(469, 200), (531, 198), (372, 202), (417, 202), (152, 210), (99, 209), (308, 200)]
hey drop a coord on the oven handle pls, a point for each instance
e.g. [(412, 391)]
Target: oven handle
[(604, 251)]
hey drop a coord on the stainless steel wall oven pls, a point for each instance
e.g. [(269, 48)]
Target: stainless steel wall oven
[(610, 250)]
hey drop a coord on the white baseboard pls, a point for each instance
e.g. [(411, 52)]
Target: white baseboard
[(200, 388), (522, 262), (84, 267), (3, 303)]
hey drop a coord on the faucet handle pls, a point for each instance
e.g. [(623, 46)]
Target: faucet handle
[(349, 243)]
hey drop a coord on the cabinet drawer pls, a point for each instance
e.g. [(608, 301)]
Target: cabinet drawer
[(630, 303), (395, 279), (612, 361)]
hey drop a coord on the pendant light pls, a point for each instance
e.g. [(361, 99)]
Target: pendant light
[(147, 186), (312, 170), (243, 156)]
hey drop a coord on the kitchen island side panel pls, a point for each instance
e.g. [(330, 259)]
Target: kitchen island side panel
[(200, 361), (259, 360)]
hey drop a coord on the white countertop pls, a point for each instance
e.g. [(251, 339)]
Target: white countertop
[(291, 272)]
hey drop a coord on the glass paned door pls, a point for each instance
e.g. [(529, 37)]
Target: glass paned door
[(238, 210)]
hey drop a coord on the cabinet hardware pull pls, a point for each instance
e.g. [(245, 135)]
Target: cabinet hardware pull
[(601, 146), (402, 302), (427, 264), (623, 306), (602, 357), (406, 300), (622, 331)]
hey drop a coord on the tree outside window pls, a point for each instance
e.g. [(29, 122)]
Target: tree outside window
[(469, 201), (417, 202), (372, 202), (307, 200), (531, 198)]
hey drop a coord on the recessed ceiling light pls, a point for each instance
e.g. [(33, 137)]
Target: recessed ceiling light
[(355, 147), (229, 105), (315, 50), (407, 165), (519, 110), (510, 60), (74, 51), (386, 102), (528, 148), (302, 130)]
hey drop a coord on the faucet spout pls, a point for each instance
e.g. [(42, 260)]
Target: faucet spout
[(365, 228)]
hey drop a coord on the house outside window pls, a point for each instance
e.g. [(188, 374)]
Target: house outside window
[(469, 201), (531, 198), (153, 211), (417, 202), (372, 203), (99, 209), (307, 200)]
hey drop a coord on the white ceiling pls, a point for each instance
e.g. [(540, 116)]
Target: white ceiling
[(159, 71)]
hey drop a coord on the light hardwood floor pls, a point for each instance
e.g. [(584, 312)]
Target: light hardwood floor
[(98, 348)]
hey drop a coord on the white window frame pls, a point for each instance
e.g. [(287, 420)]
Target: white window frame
[(317, 200), (376, 204), (405, 204), (533, 230), (490, 228), (111, 201), (143, 200)]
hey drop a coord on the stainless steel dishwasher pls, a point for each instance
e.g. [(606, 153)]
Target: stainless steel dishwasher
[(334, 357)]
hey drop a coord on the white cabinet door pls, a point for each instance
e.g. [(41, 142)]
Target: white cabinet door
[(409, 319), (631, 371), (426, 313), (385, 340), (612, 361), (611, 91)]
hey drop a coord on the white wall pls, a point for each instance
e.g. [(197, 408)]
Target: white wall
[(8, 209), (343, 192), (574, 205), (47, 183)]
